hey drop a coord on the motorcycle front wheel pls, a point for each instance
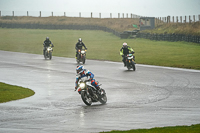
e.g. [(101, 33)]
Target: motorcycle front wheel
[(83, 59), (133, 65), (45, 55), (86, 99), (50, 55)]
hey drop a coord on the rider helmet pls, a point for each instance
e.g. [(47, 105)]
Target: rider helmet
[(79, 69), (47, 38), (125, 45), (80, 40)]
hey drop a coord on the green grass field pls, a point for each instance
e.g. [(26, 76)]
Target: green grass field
[(10, 92), (102, 46), (175, 129)]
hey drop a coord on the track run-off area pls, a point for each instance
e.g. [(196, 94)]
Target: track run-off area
[(151, 96)]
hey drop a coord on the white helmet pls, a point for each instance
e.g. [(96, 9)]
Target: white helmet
[(80, 40), (124, 44)]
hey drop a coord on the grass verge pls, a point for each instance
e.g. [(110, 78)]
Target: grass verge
[(175, 129), (10, 92), (102, 46)]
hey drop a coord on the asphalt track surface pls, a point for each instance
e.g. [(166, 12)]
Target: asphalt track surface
[(150, 97)]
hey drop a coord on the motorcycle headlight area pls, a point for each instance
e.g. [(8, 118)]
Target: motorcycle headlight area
[(82, 85), (82, 52), (130, 57), (49, 48)]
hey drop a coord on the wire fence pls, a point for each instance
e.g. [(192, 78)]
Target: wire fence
[(68, 14), (178, 19)]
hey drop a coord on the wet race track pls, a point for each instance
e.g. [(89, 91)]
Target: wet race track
[(149, 97)]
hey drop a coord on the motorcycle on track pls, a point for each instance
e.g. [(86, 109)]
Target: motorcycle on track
[(48, 53), (81, 56), (89, 93), (130, 61)]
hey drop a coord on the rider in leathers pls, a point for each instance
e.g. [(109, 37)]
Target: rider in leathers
[(126, 50), (46, 44), (79, 45), (81, 72)]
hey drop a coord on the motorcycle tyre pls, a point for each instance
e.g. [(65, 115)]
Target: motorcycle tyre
[(133, 65), (103, 99), (128, 66), (83, 59), (45, 55), (78, 58), (50, 55), (83, 95)]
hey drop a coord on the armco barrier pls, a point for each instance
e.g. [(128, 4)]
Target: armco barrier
[(170, 37), (52, 26)]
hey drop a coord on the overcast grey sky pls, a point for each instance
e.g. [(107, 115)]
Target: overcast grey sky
[(151, 8)]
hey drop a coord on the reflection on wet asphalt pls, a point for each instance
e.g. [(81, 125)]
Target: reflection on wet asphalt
[(151, 96)]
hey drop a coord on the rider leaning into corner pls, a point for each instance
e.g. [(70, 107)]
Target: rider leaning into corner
[(126, 50), (46, 44), (79, 45), (81, 72)]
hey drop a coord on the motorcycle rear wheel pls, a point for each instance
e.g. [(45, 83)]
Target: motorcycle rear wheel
[(86, 99), (103, 97)]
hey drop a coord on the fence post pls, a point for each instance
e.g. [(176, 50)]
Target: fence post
[(52, 14), (173, 19), (181, 19), (110, 15), (40, 14), (0, 13), (119, 15), (168, 19), (99, 15), (189, 19), (194, 18), (13, 13), (91, 14), (64, 14), (80, 14), (127, 15), (185, 19), (122, 15), (176, 19)]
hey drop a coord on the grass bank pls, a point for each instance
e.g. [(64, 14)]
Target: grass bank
[(177, 28), (175, 129), (117, 24), (102, 46), (10, 92)]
